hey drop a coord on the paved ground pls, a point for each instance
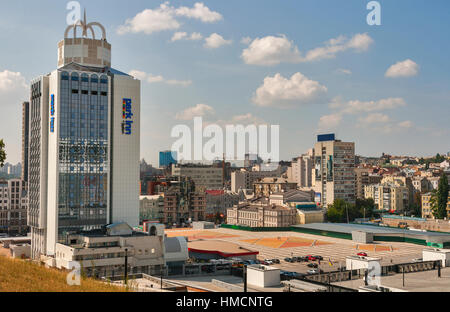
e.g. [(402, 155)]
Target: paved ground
[(333, 249), (427, 281)]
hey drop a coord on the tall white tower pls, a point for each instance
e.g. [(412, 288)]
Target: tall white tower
[(85, 142)]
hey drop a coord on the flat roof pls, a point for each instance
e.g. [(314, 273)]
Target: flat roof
[(223, 248), (348, 228)]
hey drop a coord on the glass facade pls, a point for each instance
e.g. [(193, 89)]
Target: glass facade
[(83, 152)]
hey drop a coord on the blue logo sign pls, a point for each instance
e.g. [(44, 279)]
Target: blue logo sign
[(52, 113), (127, 116)]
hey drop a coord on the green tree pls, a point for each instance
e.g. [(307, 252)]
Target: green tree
[(338, 211), (416, 207), (2, 153), (440, 199)]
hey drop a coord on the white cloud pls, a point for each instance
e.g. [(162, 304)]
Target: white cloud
[(11, 81), (406, 68), (216, 41), (272, 50), (284, 93), (406, 124), (200, 110), (200, 12), (344, 71), (374, 118), (184, 36), (358, 43), (178, 36), (328, 122), (196, 36), (150, 21), (354, 107), (246, 40), (154, 79), (165, 18)]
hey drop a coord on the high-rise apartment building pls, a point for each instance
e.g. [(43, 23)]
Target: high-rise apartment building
[(25, 139), (13, 206), (84, 142), (334, 170), (167, 158), (301, 170)]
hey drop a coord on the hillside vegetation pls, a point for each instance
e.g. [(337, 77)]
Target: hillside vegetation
[(22, 276)]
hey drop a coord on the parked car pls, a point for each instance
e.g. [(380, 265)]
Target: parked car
[(276, 261), (288, 260), (418, 260), (315, 271), (268, 262), (300, 259), (310, 258), (312, 265), (362, 254), (319, 258)]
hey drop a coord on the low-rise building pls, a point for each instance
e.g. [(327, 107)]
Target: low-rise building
[(218, 201), (102, 254), (267, 186), (13, 206), (388, 196), (259, 213), (427, 209), (151, 208), (244, 179)]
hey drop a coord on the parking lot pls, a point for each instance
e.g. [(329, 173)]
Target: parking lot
[(277, 245)]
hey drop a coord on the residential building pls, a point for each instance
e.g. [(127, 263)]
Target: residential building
[(218, 201), (25, 139), (427, 210), (267, 186), (13, 206), (84, 143), (389, 197), (205, 177), (259, 213), (151, 207), (365, 177), (334, 170), (244, 179), (182, 204), (301, 170)]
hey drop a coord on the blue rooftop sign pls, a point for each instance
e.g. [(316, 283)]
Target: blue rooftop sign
[(326, 137)]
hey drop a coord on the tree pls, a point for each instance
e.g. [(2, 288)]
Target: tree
[(439, 204), (2, 153), (416, 207), (337, 212)]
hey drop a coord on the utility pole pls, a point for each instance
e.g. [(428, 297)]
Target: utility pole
[(403, 276), (161, 271), (126, 266), (245, 278), (346, 207), (439, 269)]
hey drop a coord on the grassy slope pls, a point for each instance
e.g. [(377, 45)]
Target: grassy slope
[(21, 276)]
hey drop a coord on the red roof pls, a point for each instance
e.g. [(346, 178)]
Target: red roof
[(215, 192)]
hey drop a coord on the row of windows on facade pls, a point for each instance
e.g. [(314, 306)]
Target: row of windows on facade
[(74, 76)]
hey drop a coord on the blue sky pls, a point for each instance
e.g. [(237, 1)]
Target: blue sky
[(346, 85)]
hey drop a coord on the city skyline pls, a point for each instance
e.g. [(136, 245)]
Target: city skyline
[(377, 86)]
